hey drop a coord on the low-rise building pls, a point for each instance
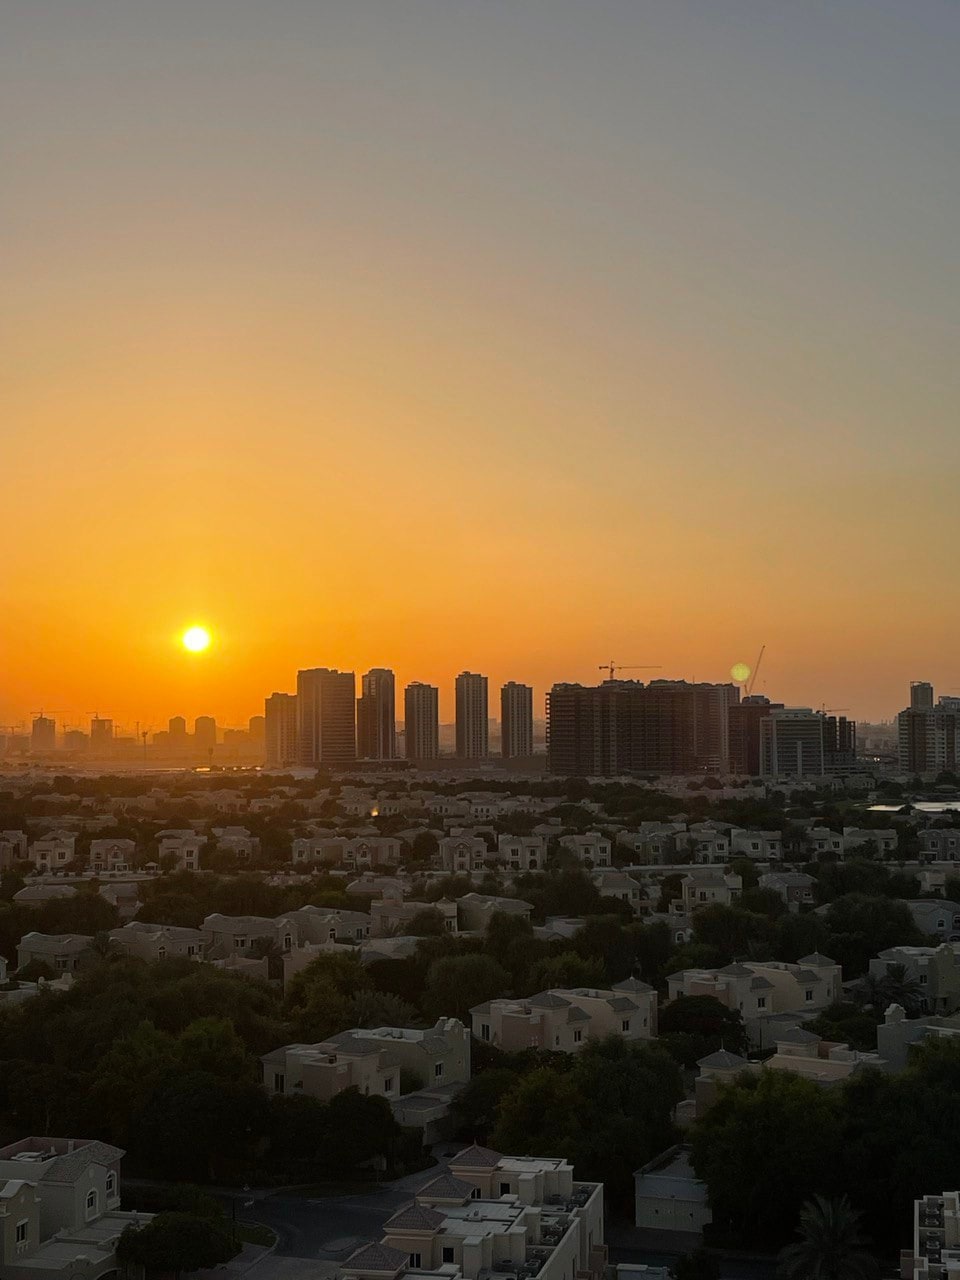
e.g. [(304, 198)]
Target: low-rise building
[(883, 840), (60, 952), (393, 915), (183, 847), (237, 841), (940, 844), (153, 942), (522, 853), (617, 884), (476, 910), (372, 1060), (799, 1051), (934, 969), (668, 1195), (60, 1209), (765, 993), (796, 888), (897, 1033), (938, 918), (463, 855), (761, 846), (487, 1214), (565, 1019), (936, 1239), (53, 851), (590, 849), (706, 888), (112, 855)]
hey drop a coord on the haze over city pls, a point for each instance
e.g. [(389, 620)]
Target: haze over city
[(458, 335)]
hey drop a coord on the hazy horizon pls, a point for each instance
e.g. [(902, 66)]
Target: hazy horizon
[(510, 337)]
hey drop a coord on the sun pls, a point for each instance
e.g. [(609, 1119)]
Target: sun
[(196, 639)]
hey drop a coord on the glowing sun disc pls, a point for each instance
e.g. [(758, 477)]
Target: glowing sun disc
[(196, 639), (740, 672)]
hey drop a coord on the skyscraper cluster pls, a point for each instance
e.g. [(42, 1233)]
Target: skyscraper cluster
[(676, 727), (325, 723), (928, 731)]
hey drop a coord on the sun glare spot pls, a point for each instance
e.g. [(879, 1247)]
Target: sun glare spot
[(740, 672), (196, 639)]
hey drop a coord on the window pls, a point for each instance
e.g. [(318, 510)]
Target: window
[(484, 1030), (388, 1084), (475, 1193), (161, 953), (577, 1036), (438, 1071), (278, 1082), (923, 979), (761, 1002), (625, 1025), (808, 994), (111, 1184), (92, 1203), (504, 1188), (239, 942), (446, 1254), (415, 1260), (23, 1230)]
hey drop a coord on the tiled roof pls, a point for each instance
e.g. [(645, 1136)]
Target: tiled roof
[(816, 959), (476, 1157), (415, 1217), (547, 1000), (446, 1187), (723, 1060), (796, 1035), (376, 1257)]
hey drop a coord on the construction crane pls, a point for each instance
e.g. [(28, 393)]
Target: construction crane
[(756, 667), (827, 711), (612, 667)]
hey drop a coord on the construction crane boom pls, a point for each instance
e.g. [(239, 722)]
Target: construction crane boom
[(613, 667), (756, 667)]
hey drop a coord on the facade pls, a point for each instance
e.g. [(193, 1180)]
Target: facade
[(43, 736), (522, 853), (280, 730), (53, 851), (472, 716), (745, 718), (421, 710), (624, 726), (183, 846), (476, 910), (372, 1060), (565, 1019), (516, 720), (326, 717), (936, 1238), (487, 1214), (360, 853), (668, 1195), (205, 734), (153, 942), (60, 1209), (60, 952), (937, 918), (112, 855), (940, 844), (463, 854), (791, 744), (769, 996), (796, 888), (928, 734), (590, 850), (391, 915), (934, 969), (377, 716)]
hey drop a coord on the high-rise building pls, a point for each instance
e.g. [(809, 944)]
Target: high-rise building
[(43, 735), (204, 733), (280, 730), (516, 720), (421, 729), (377, 716), (791, 743), (257, 729), (326, 717), (625, 726), (744, 720), (101, 736), (472, 726), (928, 734), (921, 696), (77, 741)]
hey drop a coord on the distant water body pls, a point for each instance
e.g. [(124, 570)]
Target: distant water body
[(923, 806)]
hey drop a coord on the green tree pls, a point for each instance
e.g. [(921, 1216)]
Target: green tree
[(476, 1107), (454, 984), (774, 1129), (830, 1245), (698, 1265), (176, 1242), (702, 1025)]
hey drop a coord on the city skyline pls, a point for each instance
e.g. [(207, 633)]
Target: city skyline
[(505, 335)]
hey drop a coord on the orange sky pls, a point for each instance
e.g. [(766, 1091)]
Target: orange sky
[(429, 341)]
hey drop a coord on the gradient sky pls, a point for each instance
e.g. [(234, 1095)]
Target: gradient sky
[(513, 335)]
